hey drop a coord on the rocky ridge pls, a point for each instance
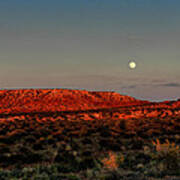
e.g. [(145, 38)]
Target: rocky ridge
[(51, 100)]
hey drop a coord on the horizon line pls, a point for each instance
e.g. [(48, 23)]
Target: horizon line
[(81, 89)]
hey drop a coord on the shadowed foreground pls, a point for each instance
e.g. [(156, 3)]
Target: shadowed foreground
[(129, 142)]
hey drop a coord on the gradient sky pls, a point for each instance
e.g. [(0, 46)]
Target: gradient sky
[(87, 44)]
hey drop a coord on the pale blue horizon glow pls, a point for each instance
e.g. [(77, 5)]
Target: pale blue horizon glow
[(88, 44)]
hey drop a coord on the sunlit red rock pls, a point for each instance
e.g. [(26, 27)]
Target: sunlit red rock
[(49, 100), (60, 100)]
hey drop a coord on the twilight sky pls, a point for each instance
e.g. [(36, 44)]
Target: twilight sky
[(87, 44)]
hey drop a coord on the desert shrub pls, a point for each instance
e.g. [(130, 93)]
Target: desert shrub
[(72, 177), (168, 153), (120, 159), (42, 176), (64, 168), (123, 124), (110, 162), (112, 175)]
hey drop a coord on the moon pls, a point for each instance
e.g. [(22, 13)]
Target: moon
[(132, 65)]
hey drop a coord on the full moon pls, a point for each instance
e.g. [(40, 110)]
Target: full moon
[(132, 65)]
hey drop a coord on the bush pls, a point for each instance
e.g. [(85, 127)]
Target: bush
[(168, 153)]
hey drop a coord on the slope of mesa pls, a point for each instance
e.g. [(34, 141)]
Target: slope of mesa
[(50, 100)]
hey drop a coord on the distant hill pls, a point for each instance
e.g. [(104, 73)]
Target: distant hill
[(51, 100)]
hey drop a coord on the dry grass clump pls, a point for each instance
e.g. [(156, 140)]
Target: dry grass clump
[(113, 160), (168, 153), (166, 147), (110, 162)]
